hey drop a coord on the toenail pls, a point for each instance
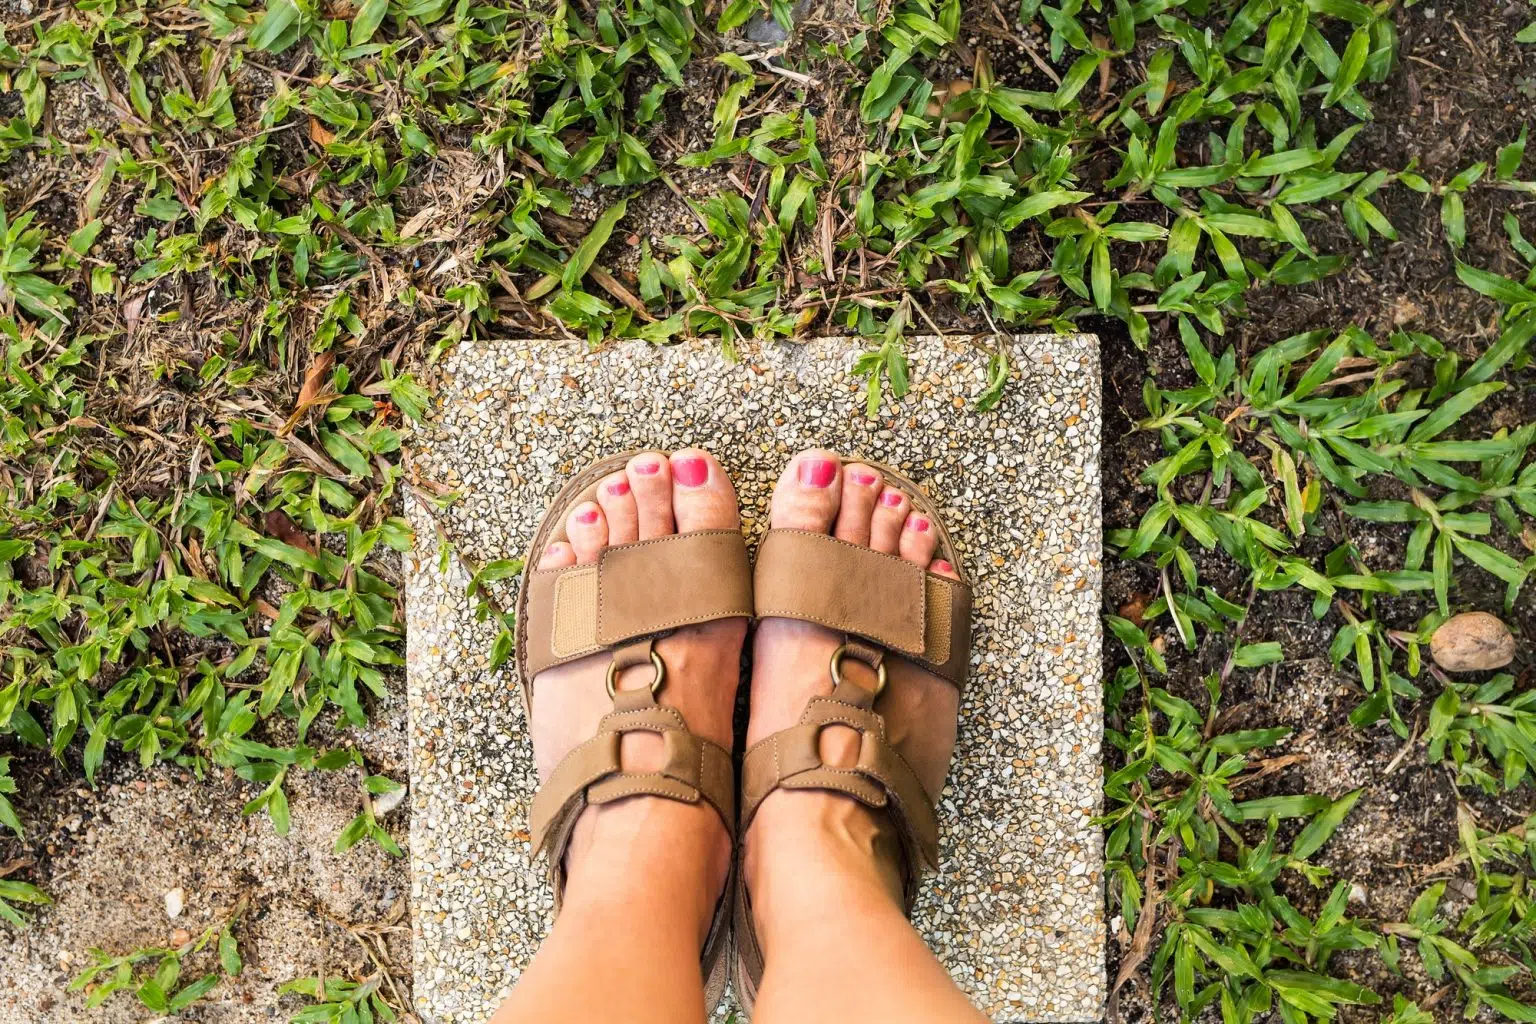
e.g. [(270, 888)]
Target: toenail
[(690, 471), (939, 565), (648, 467), (618, 487), (917, 523), (864, 479), (553, 549), (587, 515), (817, 472), (890, 499)]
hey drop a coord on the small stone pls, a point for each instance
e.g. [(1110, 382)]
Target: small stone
[(1472, 642), (386, 802), (175, 900)]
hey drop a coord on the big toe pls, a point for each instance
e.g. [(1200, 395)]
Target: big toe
[(702, 495), (808, 492)]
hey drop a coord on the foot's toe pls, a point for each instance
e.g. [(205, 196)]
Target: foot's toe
[(861, 488), (557, 556), (918, 539), (650, 480), (808, 492), (588, 530), (617, 499), (702, 495), (889, 521), (943, 568)]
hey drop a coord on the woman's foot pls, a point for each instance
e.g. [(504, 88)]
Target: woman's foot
[(653, 496), (798, 831)]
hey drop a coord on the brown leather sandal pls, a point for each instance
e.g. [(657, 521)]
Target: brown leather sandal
[(888, 608), (633, 595)]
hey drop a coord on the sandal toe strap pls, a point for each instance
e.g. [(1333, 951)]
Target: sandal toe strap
[(854, 589), (634, 590)]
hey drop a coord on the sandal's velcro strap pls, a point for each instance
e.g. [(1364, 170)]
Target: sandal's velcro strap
[(881, 777), (635, 590), (694, 769), (855, 589)]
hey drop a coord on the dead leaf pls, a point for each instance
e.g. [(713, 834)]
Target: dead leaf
[(505, 280), (1103, 44), (422, 217), (132, 310), (319, 133), (1404, 310), (611, 285), (13, 866), (278, 525), (315, 380), (192, 554), (1134, 609)]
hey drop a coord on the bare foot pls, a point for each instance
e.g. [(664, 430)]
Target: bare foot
[(790, 659), (653, 496)]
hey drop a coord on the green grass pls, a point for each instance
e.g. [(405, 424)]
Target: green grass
[(136, 568), (164, 989)]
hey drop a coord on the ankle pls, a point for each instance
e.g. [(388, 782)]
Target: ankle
[(807, 848), (665, 848)]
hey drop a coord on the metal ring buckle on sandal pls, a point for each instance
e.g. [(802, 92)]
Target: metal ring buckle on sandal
[(656, 681), (837, 669)]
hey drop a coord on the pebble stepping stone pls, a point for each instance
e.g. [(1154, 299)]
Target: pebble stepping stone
[(1017, 912)]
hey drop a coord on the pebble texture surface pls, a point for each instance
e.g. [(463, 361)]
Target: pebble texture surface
[(1016, 913)]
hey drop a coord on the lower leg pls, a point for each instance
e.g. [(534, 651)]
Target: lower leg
[(644, 877), (827, 902)]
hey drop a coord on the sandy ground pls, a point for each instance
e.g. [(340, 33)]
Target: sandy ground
[(116, 853)]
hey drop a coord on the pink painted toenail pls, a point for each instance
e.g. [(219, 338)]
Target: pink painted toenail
[(690, 471), (817, 472), (587, 515), (618, 487), (891, 499), (553, 549), (917, 523), (939, 565), (648, 467), (864, 479)]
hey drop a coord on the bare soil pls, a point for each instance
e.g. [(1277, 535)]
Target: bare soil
[(110, 857)]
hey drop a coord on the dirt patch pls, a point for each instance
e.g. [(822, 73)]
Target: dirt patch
[(110, 857)]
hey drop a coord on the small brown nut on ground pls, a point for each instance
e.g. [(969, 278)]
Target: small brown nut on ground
[(1472, 642)]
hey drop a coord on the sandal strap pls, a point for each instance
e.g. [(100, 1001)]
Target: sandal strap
[(695, 769), (881, 778), (855, 589), (634, 590)]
